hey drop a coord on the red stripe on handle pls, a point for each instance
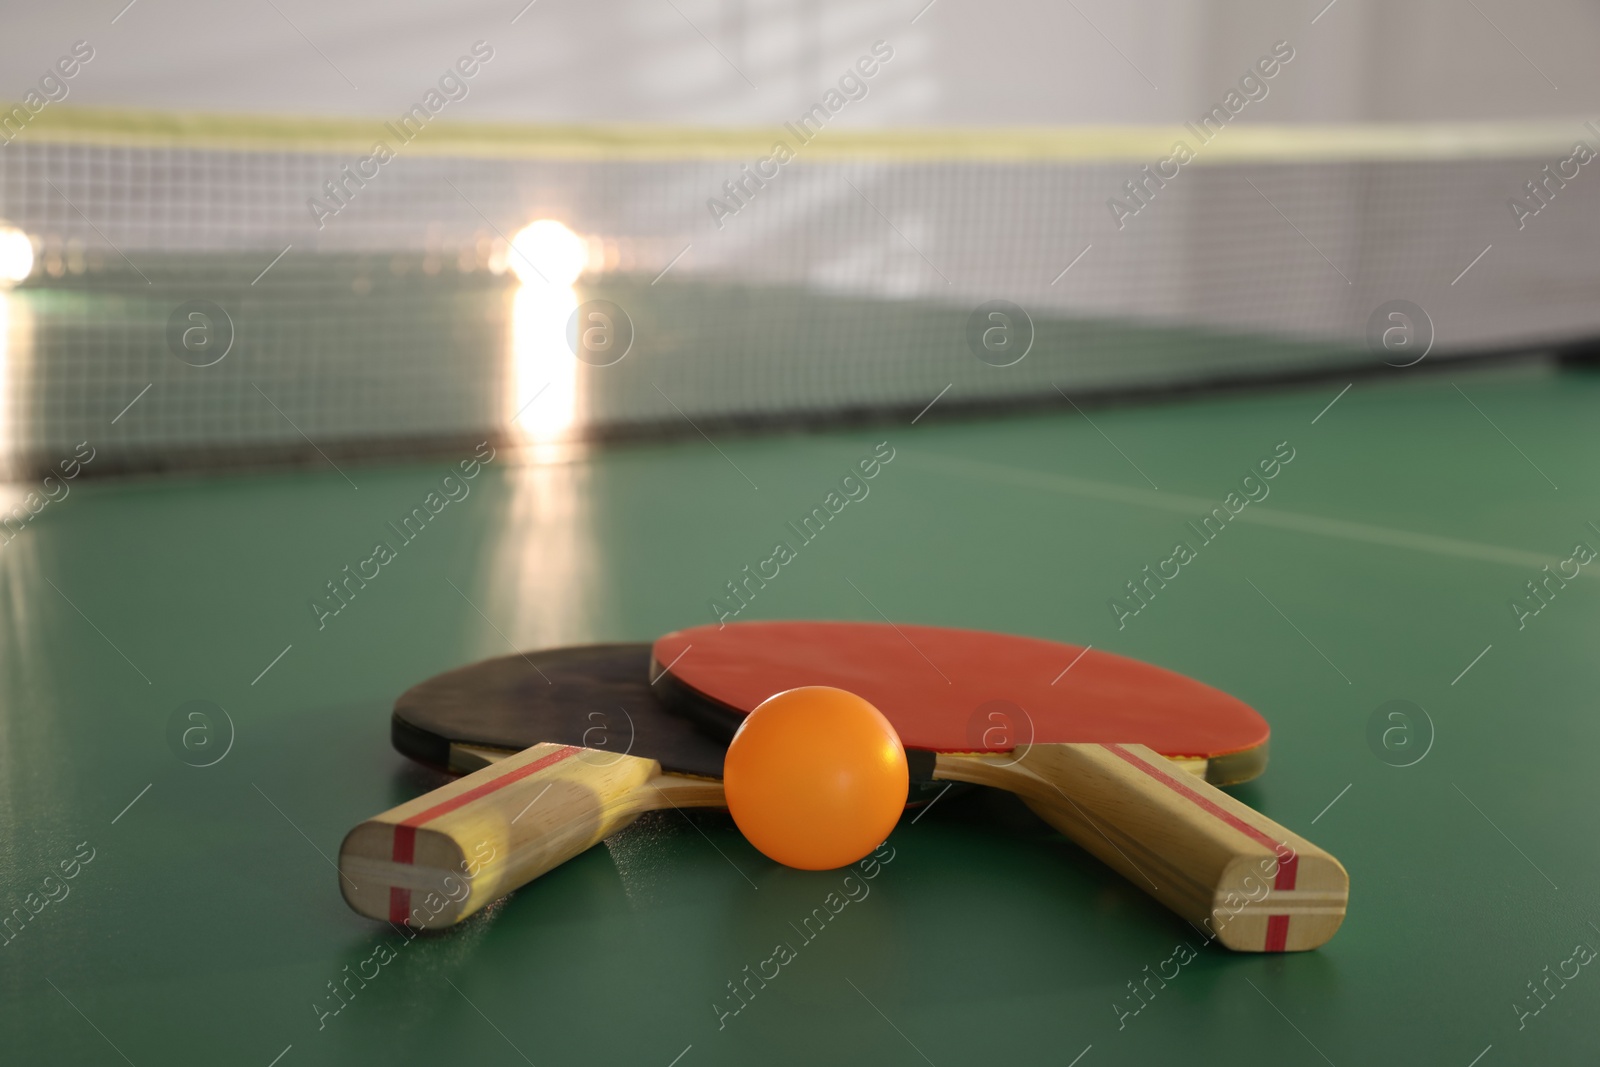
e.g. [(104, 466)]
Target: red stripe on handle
[(1277, 933), (405, 847), (461, 800), (1288, 861), (405, 843), (399, 904), (1288, 869), (405, 832)]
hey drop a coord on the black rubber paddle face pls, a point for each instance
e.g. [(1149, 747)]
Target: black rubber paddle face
[(597, 697)]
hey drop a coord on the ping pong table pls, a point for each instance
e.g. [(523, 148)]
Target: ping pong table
[(186, 739)]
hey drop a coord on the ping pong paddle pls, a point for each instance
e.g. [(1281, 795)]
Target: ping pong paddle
[(561, 747), (1096, 744)]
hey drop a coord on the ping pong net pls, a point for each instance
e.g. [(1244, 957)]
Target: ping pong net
[(372, 307)]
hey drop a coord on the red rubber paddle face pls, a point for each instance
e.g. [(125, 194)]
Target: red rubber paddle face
[(964, 690)]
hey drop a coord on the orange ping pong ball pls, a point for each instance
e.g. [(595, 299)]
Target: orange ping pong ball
[(816, 777)]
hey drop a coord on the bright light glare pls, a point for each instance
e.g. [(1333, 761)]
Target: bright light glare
[(16, 255), (5, 378), (546, 251), (544, 374), (13, 327)]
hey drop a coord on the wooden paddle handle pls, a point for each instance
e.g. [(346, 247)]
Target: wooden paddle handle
[(1229, 870), (435, 860)]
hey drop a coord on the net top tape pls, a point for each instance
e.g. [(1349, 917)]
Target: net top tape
[(1088, 144)]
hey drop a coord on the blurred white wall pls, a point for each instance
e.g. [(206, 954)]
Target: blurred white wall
[(957, 62)]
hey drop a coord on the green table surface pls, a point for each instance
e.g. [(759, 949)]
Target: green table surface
[(208, 926)]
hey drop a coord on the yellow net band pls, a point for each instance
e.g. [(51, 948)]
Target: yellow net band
[(1089, 144)]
